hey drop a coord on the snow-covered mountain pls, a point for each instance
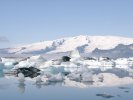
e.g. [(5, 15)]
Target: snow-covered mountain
[(119, 51), (85, 44)]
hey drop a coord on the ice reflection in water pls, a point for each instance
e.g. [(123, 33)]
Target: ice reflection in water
[(23, 87)]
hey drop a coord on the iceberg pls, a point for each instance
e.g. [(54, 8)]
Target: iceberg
[(4, 60), (54, 70), (24, 64), (56, 62), (46, 64), (69, 66), (38, 79), (121, 61), (9, 62), (8, 65), (75, 77), (37, 59), (21, 78), (87, 77), (75, 54), (56, 78)]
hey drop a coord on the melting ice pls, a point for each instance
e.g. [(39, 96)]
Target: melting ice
[(73, 70)]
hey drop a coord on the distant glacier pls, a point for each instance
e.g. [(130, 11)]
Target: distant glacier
[(109, 46)]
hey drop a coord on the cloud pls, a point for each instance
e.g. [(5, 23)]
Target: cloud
[(3, 39)]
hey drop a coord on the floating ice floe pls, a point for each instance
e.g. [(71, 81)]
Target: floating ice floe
[(24, 64), (4, 60), (56, 78), (71, 83), (130, 62), (82, 69), (81, 74), (109, 79), (35, 61), (87, 77), (75, 54), (74, 69), (54, 70), (105, 95), (9, 62), (121, 61), (46, 64), (38, 79), (37, 58), (75, 77), (56, 62), (21, 78), (69, 66)]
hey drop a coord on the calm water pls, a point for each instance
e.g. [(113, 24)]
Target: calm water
[(10, 88)]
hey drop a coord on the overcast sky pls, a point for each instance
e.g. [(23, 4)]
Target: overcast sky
[(27, 21)]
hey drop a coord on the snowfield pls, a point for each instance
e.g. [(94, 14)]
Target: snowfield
[(85, 44)]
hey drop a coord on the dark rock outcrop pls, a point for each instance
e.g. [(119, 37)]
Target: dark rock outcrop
[(29, 72), (65, 58)]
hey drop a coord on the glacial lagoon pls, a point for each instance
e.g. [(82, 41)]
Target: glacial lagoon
[(11, 88)]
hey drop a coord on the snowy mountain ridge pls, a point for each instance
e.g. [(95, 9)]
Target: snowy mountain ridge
[(85, 44)]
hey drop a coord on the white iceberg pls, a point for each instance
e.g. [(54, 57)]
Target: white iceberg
[(87, 77), (121, 61), (56, 78), (54, 70), (38, 79), (4, 60), (8, 65), (37, 58), (75, 77), (75, 54), (69, 66), (21, 78), (24, 64), (46, 64)]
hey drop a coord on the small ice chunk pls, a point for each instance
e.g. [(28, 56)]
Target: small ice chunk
[(87, 77), (56, 62), (75, 77), (21, 78), (104, 95), (74, 54), (4, 60), (37, 58), (25, 64), (47, 64), (56, 78), (82, 69), (38, 79), (54, 69)]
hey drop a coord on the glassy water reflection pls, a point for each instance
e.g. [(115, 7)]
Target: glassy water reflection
[(11, 88)]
